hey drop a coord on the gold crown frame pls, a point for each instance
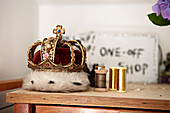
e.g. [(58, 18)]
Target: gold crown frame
[(48, 51)]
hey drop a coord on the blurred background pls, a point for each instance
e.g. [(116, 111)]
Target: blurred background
[(22, 22)]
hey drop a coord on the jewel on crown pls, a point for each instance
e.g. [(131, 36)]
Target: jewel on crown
[(56, 54)]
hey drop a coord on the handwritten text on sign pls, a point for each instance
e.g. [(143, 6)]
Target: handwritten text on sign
[(136, 52)]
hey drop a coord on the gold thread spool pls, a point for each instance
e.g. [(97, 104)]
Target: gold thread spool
[(100, 67), (113, 78), (121, 79), (100, 79)]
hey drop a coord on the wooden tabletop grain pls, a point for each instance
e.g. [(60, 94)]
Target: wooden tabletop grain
[(142, 96)]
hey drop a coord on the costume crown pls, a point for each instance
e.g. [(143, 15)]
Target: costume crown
[(56, 54)]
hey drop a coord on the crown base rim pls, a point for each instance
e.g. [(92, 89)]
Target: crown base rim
[(56, 81)]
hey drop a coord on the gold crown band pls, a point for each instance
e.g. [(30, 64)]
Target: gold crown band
[(30, 52), (48, 51)]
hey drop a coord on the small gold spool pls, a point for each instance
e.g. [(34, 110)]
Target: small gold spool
[(100, 79), (113, 78), (121, 79)]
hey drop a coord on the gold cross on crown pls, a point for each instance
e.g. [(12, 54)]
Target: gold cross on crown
[(58, 31)]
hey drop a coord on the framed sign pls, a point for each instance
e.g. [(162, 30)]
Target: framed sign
[(139, 53)]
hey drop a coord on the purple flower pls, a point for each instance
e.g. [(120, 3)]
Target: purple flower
[(162, 7), (156, 9)]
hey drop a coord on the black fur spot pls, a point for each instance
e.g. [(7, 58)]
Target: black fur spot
[(51, 82), (77, 83), (32, 82)]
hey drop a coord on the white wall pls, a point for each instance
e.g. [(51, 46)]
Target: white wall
[(18, 29), (24, 21)]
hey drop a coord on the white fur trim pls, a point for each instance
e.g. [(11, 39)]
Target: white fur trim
[(63, 81)]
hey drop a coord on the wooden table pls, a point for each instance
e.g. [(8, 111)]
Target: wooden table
[(139, 98)]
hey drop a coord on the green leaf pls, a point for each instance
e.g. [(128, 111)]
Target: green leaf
[(158, 20)]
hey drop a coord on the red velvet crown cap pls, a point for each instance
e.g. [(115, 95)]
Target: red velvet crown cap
[(57, 54), (37, 58), (62, 56)]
